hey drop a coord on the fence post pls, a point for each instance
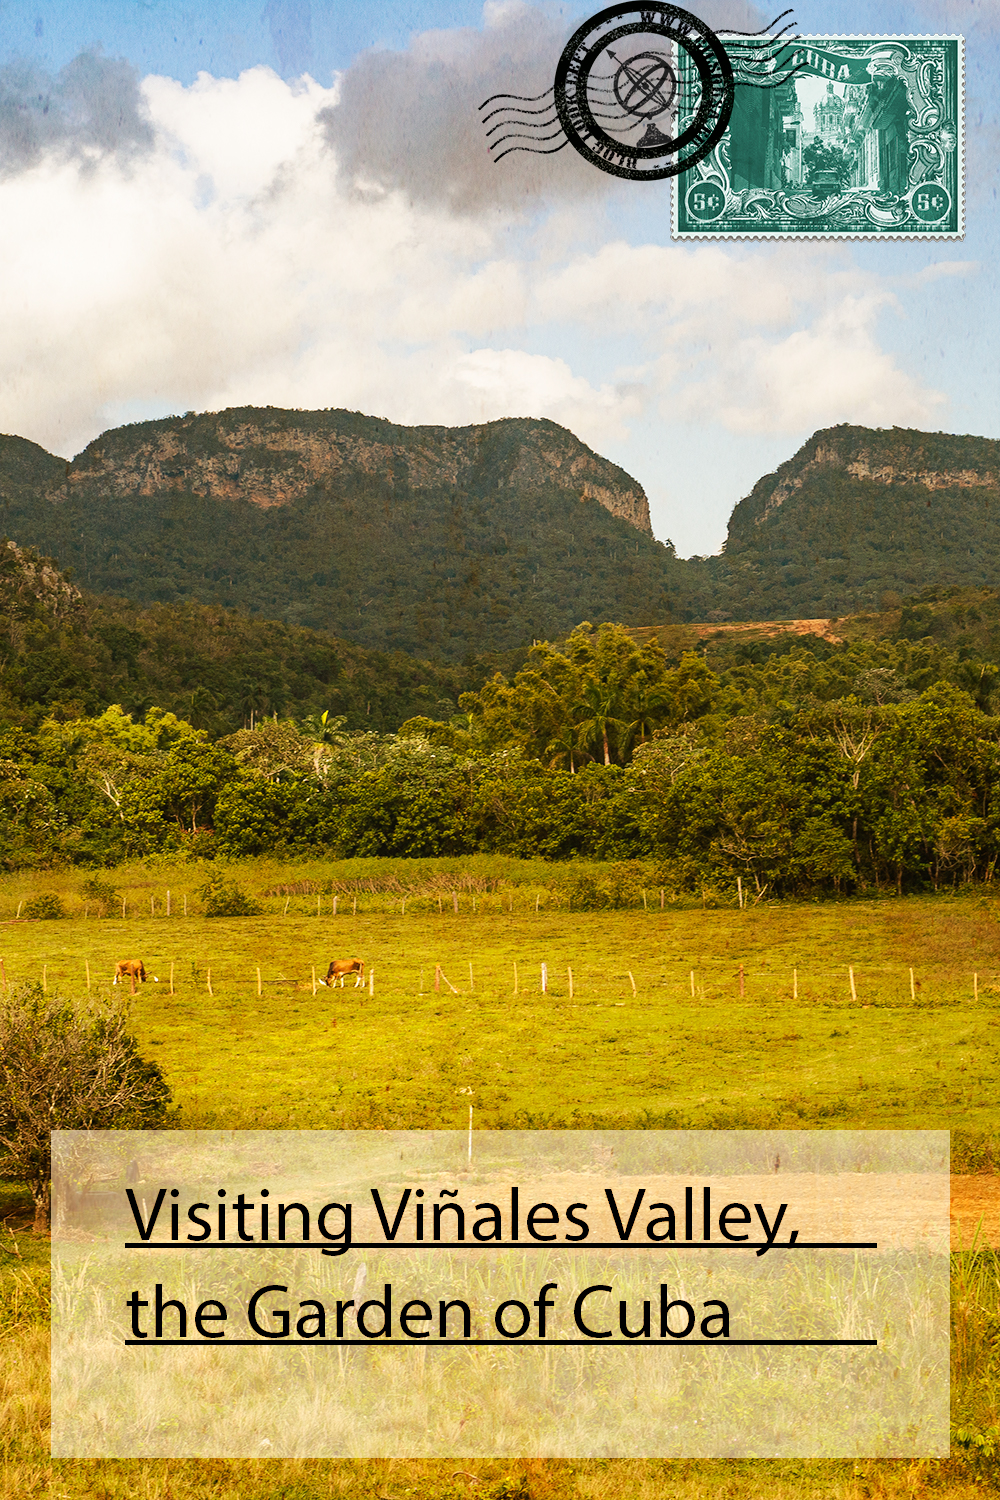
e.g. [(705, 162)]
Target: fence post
[(644, 906), (795, 984), (545, 978), (45, 980), (537, 899), (739, 890), (168, 903), (319, 903), (371, 982), (632, 982), (913, 991), (208, 981), (454, 901), (437, 976), (171, 977), (661, 898), (975, 988), (741, 982), (123, 908), (692, 984), (185, 903), (854, 993), (314, 978), (259, 991), (472, 983), (570, 974), (335, 906)]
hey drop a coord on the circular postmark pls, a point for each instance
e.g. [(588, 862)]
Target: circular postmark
[(644, 91)]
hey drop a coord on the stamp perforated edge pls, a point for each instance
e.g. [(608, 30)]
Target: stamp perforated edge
[(816, 234)]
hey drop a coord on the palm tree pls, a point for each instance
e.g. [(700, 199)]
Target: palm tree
[(323, 729), (647, 704), (597, 702)]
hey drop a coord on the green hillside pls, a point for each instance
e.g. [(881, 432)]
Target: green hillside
[(427, 540), (446, 542), (69, 654), (857, 514)]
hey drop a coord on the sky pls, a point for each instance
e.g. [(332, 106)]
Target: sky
[(290, 203)]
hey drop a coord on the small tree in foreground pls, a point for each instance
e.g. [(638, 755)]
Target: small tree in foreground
[(67, 1067)]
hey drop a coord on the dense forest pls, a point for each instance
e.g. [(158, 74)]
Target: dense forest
[(796, 763)]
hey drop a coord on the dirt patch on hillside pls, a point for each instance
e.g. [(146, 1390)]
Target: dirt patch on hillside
[(822, 628)]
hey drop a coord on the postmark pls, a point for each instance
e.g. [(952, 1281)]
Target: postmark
[(618, 89), (643, 91), (863, 139)]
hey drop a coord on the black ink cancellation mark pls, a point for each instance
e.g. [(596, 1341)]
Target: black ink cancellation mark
[(611, 82), (641, 91)]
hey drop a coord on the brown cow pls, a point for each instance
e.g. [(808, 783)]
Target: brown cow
[(131, 969), (340, 967)]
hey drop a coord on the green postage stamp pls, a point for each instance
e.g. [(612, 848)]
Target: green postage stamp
[(864, 140)]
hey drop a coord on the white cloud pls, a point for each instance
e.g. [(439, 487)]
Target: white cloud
[(230, 266), (832, 371)]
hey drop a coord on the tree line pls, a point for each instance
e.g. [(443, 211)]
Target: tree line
[(814, 768)]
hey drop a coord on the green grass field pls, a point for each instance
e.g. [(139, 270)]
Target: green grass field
[(797, 1049)]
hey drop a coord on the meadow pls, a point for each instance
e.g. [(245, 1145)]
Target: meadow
[(680, 1016)]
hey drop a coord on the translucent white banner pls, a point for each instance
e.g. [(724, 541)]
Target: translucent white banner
[(551, 1294)]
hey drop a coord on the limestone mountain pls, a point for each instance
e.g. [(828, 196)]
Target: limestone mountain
[(857, 514), (429, 539), (447, 542), (273, 457)]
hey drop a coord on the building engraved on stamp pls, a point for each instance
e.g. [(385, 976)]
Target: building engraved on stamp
[(625, 80)]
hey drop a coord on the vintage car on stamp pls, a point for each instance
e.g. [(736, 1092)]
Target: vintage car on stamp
[(862, 137)]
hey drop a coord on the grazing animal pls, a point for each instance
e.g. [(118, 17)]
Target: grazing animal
[(340, 967), (131, 969)]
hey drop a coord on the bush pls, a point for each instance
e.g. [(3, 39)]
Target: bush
[(44, 908), (67, 1066), (225, 898), (103, 893), (586, 895)]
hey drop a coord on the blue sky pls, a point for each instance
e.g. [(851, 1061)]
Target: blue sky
[(288, 203)]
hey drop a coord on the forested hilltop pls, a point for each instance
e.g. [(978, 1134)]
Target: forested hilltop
[(432, 540), (445, 542), (798, 763)]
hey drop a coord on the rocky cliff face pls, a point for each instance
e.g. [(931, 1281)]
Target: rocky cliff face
[(27, 580), (898, 456), (272, 457)]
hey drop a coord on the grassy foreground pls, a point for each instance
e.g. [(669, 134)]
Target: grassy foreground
[(796, 1049)]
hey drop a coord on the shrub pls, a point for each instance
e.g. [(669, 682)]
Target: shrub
[(44, 908), (67, 1066), (586, 895), (224, 898), (103, 893)]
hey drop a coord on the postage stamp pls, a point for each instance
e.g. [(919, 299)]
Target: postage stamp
[(863, 140)]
